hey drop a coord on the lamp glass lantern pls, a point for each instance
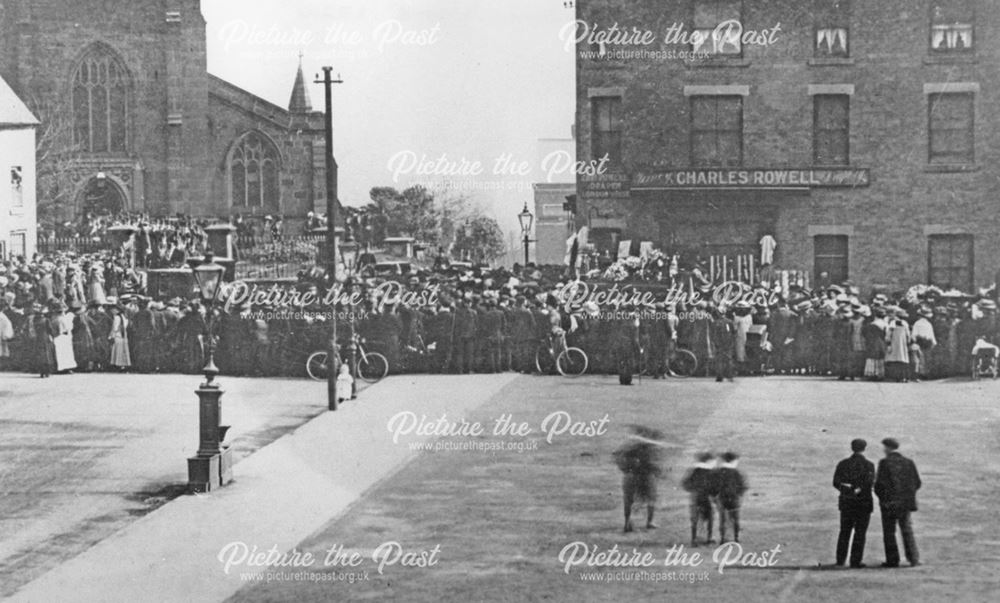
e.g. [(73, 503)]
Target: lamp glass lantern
[(526, 218), (208, 276)]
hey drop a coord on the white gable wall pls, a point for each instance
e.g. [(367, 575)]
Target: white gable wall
[(17, 208)]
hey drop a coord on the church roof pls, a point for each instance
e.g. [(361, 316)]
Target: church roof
[(13, 112), (299, 103)]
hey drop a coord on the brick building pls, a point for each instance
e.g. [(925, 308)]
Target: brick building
[(863, 137), (553, 224), (123, 85)]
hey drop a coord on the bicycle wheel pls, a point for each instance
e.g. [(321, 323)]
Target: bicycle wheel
[(317, 366), (372, 367), (683, 364), (572, 362), (642, 368), (543, 360)]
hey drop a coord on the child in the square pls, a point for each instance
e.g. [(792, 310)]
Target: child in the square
[(732, 485), (700, 482)]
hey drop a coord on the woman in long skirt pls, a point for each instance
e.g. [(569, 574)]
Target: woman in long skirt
[(120, 357), (83, 338), (95, 285), (63, 340), (873, 333)]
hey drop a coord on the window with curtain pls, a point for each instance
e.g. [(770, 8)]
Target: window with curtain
[(101, 112), (717, 131), (16, 186), (254, 173), (952, 26), (832, 28), (709, 15)]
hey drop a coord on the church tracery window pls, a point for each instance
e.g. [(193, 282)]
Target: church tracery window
[(101, 86), (254, 166)]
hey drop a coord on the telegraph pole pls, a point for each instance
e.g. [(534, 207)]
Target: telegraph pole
[(331, 231)]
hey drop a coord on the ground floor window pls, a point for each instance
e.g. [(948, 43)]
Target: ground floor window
[(18, 243), (950, 261), (830, 257)]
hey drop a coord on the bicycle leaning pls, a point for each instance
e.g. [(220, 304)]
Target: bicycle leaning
[(370, 367), (553, 353), (680, 363)]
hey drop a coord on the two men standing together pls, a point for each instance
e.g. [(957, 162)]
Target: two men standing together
[(895, 484)]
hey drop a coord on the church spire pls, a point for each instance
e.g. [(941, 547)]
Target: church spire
[(299, 103)]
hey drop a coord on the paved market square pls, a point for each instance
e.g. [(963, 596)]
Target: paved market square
[(485, 517)]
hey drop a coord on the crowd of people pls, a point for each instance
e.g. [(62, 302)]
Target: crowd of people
[(480, 320), (151, 242)]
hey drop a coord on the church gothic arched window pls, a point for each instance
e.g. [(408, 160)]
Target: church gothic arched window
[(101, 88), (253, 173)]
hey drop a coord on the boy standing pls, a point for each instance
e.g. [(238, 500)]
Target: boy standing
[(700, 482), (732, 485)]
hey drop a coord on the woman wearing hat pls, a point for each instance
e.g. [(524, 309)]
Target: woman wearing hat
[(63, 340), (6, 335), (874, 334), (923, 342), (95, 284), (120, 358), (83, 337)]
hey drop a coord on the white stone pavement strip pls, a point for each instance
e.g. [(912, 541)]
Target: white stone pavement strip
[(282, 494)]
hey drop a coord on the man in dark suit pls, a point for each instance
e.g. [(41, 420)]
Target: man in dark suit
[(896, 487), (853, 479), (723, 336), (465, 337)]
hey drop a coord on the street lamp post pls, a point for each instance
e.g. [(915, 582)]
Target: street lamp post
[(212, 465), (331, 228), (349, 254), (526, 218)]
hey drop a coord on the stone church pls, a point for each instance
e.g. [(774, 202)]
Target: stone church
[(123, 86)]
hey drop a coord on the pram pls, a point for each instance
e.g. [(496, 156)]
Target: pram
[(984, 359)]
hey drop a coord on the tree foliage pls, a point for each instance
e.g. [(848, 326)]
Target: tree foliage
[(438, 219), (57, 171), (480, 240)]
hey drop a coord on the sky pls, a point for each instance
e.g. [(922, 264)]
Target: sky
[(469, 81)]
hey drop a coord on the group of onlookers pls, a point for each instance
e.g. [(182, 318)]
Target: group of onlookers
[(482, 320)]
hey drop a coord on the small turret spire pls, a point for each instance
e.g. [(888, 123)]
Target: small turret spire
[(300, 103)]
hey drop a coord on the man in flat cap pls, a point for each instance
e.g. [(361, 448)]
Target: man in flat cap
[(853, 478), (896, 486)]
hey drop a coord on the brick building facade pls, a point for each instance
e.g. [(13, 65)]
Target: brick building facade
[(123, 83), (862, 136)]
